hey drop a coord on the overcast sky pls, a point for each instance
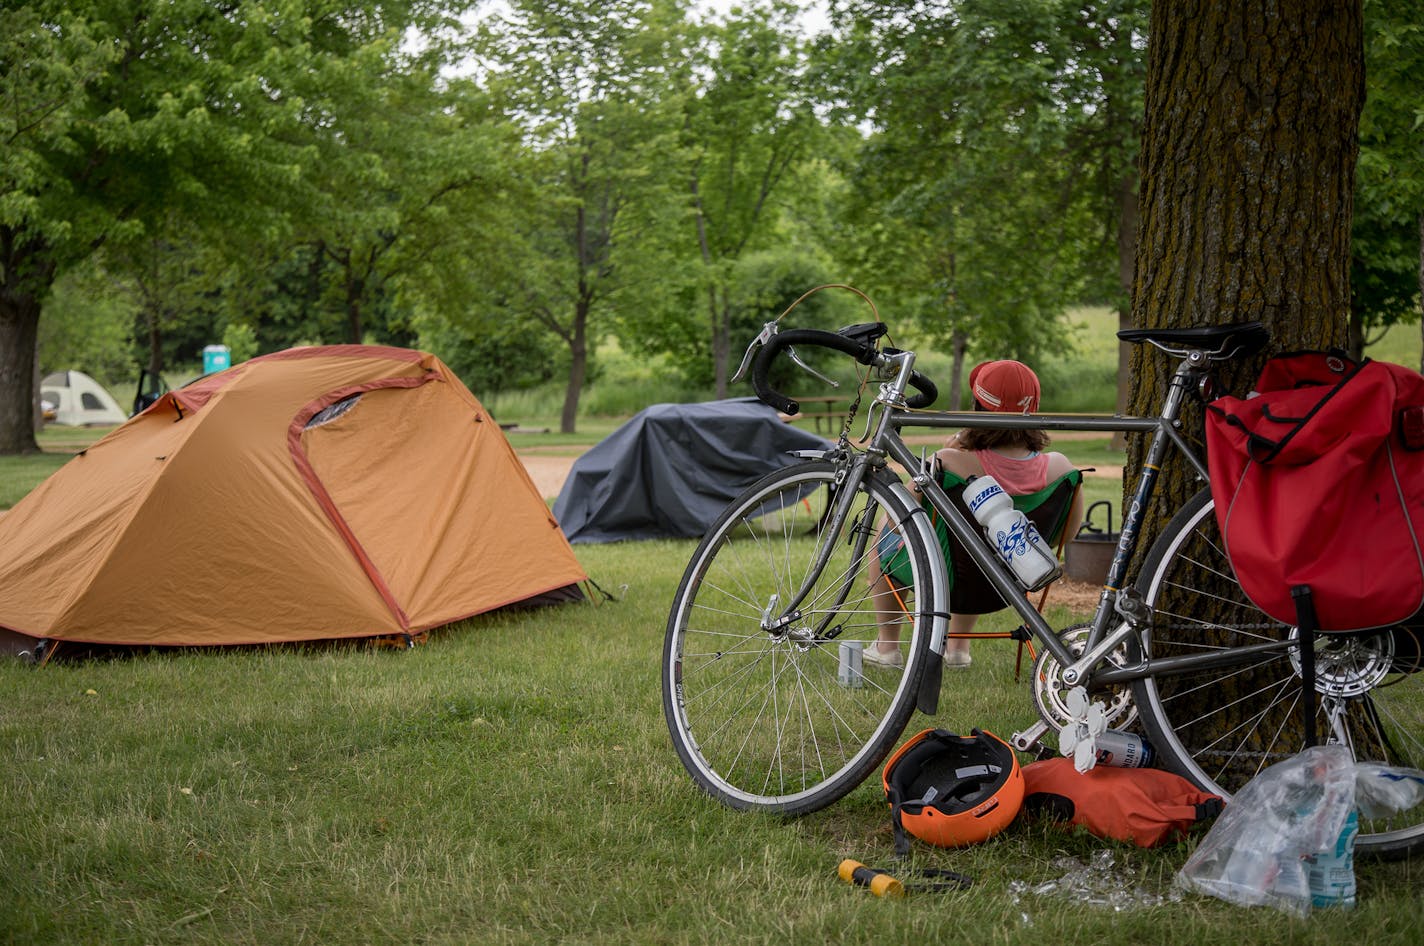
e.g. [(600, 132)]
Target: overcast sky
[(813, 12)]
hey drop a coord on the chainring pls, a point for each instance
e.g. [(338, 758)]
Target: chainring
[(1049, 691)]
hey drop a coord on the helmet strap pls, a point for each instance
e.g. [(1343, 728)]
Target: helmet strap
[(902, 839)]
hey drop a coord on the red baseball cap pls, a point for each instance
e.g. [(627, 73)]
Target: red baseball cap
[(1006, 387)]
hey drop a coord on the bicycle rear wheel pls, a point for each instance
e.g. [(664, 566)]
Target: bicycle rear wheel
[(1221, 726), (760, 710)]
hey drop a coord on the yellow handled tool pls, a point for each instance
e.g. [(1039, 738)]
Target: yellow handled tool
[(880, 883)]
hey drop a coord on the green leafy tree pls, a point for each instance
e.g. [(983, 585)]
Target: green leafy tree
[(89, 326), (594, 87), (1387, 270), (241, 341), (48, 56), (407, 159), (749, 123), (120, 117), (989, 196), (170, 276), (760, 286)]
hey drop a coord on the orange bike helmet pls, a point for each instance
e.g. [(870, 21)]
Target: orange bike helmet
[(951, 790)]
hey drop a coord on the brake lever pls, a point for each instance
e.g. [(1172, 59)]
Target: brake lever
[(791, 353), (768, 331), (765, 335)]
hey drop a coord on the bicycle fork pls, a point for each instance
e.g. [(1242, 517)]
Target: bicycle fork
[(784, 619), (829, 529)]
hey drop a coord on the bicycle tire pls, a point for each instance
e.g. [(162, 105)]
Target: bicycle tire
[(1221, 726), (760, 719)]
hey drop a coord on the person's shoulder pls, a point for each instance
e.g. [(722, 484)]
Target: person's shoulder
[(961, 462), (1058, 464)]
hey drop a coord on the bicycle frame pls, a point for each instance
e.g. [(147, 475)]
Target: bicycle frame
[(884, 442), (844, 552)]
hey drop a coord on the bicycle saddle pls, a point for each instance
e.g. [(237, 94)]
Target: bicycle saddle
[(1238, 338)]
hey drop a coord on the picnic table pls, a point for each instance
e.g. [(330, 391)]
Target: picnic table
[(824, 413)]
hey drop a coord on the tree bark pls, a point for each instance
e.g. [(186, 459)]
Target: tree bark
[(578, 366), (26, 274), (1248, 160), (1247, 175), (958, 345)]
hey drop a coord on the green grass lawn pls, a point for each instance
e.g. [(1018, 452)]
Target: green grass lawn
[(512, 781), (509, 782)]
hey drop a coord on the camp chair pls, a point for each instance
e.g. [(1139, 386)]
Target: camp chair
[(969, 591)]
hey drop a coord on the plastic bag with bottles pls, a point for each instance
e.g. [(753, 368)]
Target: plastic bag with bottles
[(1260, 851), (1286, 840)]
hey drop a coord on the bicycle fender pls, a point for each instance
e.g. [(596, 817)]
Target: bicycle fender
[(927, 700)]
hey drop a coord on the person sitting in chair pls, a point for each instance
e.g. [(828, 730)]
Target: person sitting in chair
[(1045, 487)]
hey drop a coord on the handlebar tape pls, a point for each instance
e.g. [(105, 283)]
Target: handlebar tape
[(863, 353)]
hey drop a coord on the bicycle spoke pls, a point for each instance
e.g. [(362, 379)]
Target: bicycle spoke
[(751, 665), (1222, 724)]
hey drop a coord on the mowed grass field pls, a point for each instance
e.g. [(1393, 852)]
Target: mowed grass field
[(512, 781)]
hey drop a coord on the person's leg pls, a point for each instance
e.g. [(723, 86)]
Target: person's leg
[(887, 601), (956, 649)]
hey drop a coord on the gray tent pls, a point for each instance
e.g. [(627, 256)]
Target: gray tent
[(672, 469)]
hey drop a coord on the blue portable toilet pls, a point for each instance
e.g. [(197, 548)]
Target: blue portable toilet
[(216, 358)]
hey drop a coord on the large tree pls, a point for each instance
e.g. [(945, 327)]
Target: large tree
[(406, 165), (1248, 160), (1248, 164), (999, 181), (118, 118), (748, 126), (594, 85)]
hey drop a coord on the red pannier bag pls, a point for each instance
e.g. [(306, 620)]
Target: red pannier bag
[(1318, 480)]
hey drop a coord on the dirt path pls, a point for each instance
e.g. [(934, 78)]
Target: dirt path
[(548, 473)]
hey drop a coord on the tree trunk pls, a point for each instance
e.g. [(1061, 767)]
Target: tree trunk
[(578, 366), (958, 344), (355, 293), (25, 279), (1248, 159), (1127, 223), (155, 341), (353, 317), (1247, 175)]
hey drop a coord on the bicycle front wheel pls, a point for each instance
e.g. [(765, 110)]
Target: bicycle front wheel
[(1221, 725), (760, 688)]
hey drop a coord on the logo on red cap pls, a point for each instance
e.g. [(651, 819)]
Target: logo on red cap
[(1008, 387)]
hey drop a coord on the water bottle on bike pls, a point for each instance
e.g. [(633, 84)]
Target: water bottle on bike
[(1013, 536)]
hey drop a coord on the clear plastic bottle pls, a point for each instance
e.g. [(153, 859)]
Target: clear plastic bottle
[(1332, 872), (1013, 536)]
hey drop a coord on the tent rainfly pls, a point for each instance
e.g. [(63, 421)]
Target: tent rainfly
[(317, 493)]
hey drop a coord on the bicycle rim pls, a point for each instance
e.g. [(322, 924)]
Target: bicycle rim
[(1221, 726), (768, 719)]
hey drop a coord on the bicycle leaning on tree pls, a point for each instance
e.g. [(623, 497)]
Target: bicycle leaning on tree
[(765, 715)]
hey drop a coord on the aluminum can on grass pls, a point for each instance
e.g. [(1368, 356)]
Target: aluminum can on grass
[(849, 673)]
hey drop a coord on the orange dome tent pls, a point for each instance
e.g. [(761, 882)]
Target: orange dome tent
[(317, 493)]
